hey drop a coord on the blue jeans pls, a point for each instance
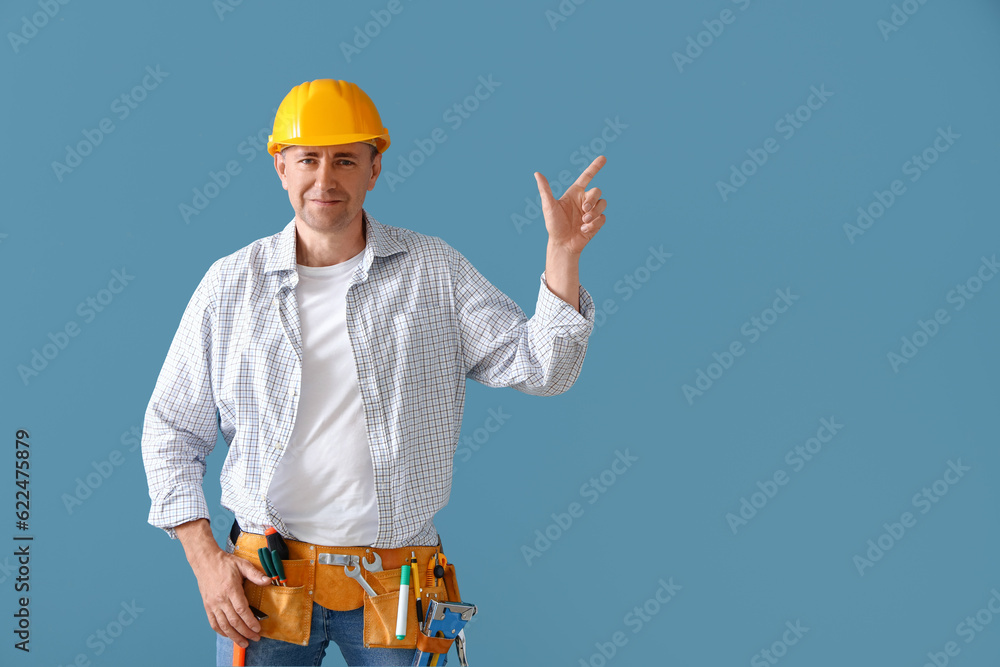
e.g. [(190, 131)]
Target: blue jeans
[(345, 628)]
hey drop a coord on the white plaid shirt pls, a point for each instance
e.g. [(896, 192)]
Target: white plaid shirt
[(421, 320)]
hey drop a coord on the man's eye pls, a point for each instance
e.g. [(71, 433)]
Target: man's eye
[(308, 159)]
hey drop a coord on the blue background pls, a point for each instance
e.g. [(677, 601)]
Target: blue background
[(683, 128)]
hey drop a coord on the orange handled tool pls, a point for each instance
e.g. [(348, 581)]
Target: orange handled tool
[(239, 655)]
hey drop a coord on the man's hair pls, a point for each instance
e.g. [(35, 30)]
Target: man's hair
[(373, 147)]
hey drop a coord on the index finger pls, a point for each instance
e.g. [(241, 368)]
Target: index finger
[(591, 171)]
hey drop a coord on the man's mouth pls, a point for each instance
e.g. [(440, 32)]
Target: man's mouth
[(327, 202)]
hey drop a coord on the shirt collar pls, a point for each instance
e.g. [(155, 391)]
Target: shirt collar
[(378, 242)]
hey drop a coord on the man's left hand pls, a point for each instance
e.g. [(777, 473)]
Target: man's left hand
[(573, 219)]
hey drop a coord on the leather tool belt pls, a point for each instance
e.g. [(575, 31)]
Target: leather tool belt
[(316, 573)]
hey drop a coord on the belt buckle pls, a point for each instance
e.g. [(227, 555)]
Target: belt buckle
[(347, 560)]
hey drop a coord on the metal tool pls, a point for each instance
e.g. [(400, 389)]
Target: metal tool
[(355, 573), (352, 567), (337, 559), (460, 648), (375, 565), (445, 619)]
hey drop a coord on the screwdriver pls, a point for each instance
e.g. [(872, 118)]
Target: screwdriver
[(275, 542), (279, 552)]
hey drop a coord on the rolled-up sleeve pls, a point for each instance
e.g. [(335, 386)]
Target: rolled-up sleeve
[(501, 347), (181, 420)]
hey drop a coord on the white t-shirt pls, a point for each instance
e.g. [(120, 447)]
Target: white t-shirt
[(324, 485)]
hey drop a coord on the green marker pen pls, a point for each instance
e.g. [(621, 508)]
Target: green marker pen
[(404, 598)]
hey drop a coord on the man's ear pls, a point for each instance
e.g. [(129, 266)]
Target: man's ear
[(279, 166), (376, 170)]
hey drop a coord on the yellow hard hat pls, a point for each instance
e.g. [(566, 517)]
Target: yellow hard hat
[(327, 112)]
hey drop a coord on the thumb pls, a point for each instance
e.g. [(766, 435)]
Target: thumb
[(544, 190)]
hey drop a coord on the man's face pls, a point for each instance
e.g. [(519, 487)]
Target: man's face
[(327, 184)]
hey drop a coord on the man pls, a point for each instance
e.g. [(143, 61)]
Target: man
[(333, 357)]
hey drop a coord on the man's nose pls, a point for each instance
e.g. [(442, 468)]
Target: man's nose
[(326, 176)]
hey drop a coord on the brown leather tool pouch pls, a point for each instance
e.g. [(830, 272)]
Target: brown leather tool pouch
[(288, 608), (380, 612), (445, 590), (451, 584)]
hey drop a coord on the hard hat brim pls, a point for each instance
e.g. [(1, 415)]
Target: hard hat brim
[(276, 145)]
